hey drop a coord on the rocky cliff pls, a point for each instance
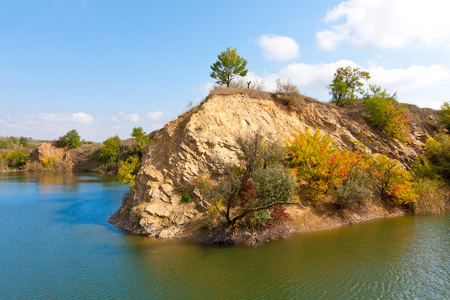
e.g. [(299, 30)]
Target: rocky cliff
[(201, 140)]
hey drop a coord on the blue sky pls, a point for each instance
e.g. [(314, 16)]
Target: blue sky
[(106, 66)]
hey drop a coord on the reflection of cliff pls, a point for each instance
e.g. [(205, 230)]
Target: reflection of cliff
[(201, 140)]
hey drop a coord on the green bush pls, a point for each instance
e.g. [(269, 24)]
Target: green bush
[(445, 113), (438, 154), (71, 139), (4, 145), (186, 198), (357, 189), (17, 158), (110, 151), (386, 114)]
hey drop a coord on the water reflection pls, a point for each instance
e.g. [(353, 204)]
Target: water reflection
[(56, 244)]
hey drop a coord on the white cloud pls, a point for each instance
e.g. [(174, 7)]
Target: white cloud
[(279, 48), (387, 23), (67, 118), (313, 77), (153, 115), (408, 79)]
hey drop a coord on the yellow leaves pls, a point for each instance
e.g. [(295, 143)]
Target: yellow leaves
[(316, 159), (127, 171), (395, 183)]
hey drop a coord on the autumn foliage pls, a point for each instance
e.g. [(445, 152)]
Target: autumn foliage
[(316, 160), (386, 114)]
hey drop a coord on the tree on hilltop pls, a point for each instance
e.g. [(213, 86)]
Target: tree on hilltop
[(345, 84), (71, 139), (228, 66)]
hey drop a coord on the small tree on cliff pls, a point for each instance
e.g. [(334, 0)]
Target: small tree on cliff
[(228, 66), (445, 113), (71, 139), (345, 84)]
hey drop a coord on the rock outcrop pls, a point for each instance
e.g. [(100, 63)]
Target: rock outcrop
[(203, 139)]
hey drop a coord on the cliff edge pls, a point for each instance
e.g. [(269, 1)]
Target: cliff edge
[(204, 138)]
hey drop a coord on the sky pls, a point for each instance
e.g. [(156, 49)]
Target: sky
[(104, 67)]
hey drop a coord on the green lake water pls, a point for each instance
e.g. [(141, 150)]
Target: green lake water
[(55, 243)]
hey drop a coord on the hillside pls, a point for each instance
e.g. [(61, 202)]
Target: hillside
[(204, 139)]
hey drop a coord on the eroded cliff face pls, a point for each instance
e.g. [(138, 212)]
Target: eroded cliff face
[(202, 140)]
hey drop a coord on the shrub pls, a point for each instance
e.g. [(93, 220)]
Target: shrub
[(3, 163), (127, 170), (110, 151), (438, 153), (49, 162), (186, 198), (433, 197), (71, 139), (289, 92), (357, 189), (255, 185), (14, 140), (386, 114), (17, 158), (394, 183), (318, 161), (445, 113)]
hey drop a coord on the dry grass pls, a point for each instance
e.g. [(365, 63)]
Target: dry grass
[(224, 91), (434, 197)]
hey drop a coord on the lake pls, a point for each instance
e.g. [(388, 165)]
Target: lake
[(55, 243)]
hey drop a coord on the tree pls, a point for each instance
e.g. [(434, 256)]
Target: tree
[(141, 139), (346, 83), (445, 113), (71, 139), (110, 150), (228, 66), (253, 187)]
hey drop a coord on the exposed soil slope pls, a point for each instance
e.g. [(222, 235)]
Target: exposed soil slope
[(201, 140)]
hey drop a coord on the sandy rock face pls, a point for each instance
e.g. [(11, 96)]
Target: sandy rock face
[(202, 140), (48, 151)]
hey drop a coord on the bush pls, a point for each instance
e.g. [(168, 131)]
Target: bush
[(110, 151), (127, 170), (356, 190), (394, 183), (386, 114), (433, 197), (445, 113), (318, 161), (250, 189), (438, 154), (17, 158), (186, 198), (4, 145), (71, 139), (290, 93)]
